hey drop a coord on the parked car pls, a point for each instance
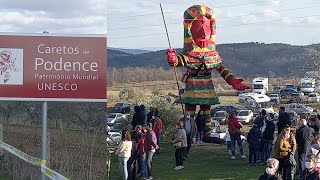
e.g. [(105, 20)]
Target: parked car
[(295, 98), (220, 116), (286, 93), (313, 97), (227, 108), (299, 108), (114, 118), (245, 116), (118, 127), (275, 98), (114, 137), (121, 107), (276, 90), (290, 86)]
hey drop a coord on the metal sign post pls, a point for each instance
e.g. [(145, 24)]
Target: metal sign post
[(44, 129)]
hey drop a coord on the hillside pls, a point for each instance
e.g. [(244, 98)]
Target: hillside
[(243, 59)]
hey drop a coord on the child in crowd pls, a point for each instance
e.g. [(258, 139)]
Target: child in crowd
[(228, 140)]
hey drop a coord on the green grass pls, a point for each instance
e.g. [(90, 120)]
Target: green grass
[(205, 162), (5, 176)]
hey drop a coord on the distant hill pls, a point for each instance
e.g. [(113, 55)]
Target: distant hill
[(130, 51), (242, 59)]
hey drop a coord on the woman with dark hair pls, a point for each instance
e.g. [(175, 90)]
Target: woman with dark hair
[(124, 152), (200, 119)]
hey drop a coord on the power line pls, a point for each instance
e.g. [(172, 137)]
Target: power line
[(225, 6), (158, 25), (243, 24)]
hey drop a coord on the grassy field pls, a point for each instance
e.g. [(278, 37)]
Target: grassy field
[(5, 176), (205, 162)]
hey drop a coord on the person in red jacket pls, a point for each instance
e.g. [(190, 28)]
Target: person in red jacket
[(157, 128), (234, 127)]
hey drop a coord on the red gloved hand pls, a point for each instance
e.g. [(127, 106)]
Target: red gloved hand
[(237, 84), (171, 56)]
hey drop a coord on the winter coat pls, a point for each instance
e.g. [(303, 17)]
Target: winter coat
[(303, 139), (135, 122), (233, 121), (282, 148), (124, 149), (269, 131), (283, 121), (180, 140), (141, 116), (314, 149), (150, 142), (193, 127), (200, 122), (275, 177), (313, 175), (157, 126), (254, 137)]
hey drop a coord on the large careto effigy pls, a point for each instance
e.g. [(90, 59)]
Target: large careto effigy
[(200, 58)]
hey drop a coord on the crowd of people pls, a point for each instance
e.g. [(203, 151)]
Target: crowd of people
[(288, 154), (136, 150), (296, 150)]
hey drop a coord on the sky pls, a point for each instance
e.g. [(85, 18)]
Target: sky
[(138, 24)]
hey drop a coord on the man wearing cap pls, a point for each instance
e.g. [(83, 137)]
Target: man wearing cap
[(303, 138)]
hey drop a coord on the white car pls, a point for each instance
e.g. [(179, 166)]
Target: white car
[(113, 118), (114, 137), (245, 116), (275, 98), (313, 98)]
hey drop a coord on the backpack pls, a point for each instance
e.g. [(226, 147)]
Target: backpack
[(234, 132)]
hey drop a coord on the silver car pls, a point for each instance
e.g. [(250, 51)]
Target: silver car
[(299, 108)]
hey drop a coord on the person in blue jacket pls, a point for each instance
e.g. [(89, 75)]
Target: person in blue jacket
[(254, 137)]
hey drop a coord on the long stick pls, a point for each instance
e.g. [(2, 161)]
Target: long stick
[(174, 67)]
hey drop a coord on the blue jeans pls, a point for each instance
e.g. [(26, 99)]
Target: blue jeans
[(199, 135), (228, 145), (267, 148), (123, 167), (233, 145), (158, 143), (143, 167)]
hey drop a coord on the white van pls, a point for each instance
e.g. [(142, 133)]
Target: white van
[(256, 102)]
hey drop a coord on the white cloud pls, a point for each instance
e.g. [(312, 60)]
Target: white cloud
[(312, 20), (249, 19), (271, 14), (275, 2)]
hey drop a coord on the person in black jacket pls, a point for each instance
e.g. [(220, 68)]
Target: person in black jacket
[(283, 120), (135, 122), (268, 138), (253, 138), (150, 114), (271, 172), (303, 138)]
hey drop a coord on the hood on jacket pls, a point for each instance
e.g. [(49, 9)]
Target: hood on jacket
[(136, 108), (142, 107)]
